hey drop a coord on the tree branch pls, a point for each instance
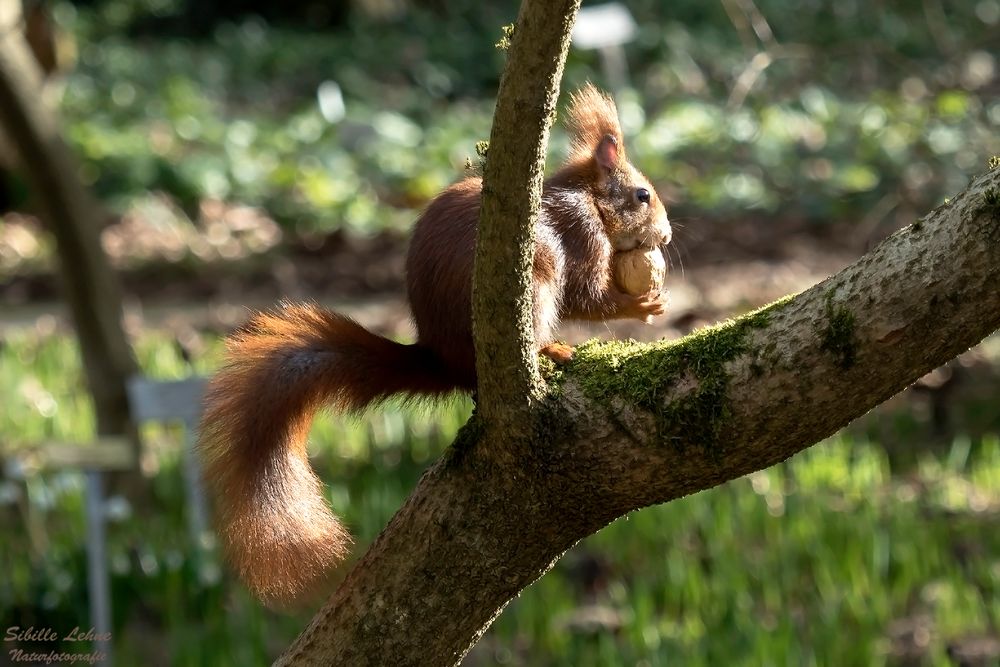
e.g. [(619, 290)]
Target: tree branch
[(629, 425), (506, 356), (745, 395)]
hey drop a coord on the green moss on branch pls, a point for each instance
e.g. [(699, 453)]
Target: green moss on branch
[(991, 203), (644, 375), (838, 336), (506, 35)]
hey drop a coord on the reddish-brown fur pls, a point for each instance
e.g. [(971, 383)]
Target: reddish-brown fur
[(274, 525)]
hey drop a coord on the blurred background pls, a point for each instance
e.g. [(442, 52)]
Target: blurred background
[(244, 151)]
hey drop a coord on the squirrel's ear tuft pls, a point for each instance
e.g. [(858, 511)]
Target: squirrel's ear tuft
[(593, 122)]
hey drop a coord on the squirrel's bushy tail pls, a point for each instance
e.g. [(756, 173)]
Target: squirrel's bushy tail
[(274, 524)]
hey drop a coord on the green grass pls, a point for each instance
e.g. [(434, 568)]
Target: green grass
[(812, 562)]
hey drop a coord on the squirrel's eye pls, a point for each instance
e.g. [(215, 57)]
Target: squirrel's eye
[(642, 195)]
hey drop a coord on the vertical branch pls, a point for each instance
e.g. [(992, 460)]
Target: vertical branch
[(381, 614), (506, 361)]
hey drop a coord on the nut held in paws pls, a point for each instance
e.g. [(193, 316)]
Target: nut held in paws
[(640, 271)]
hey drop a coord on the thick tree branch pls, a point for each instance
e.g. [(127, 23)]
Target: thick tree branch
[(506, 362), (748, 394), (629, 425)]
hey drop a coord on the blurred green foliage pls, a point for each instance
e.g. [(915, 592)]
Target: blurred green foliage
[(864, 110), (823, 560)]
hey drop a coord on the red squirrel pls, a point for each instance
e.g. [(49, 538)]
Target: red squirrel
[(274, 524)]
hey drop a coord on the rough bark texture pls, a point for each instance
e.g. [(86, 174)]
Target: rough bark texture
[(90, 286), (627, 425), (506, 361)]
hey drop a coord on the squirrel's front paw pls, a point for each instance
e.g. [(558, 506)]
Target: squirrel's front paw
[(647, 307)]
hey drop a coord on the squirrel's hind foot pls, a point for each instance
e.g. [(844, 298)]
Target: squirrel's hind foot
[(561, 353)]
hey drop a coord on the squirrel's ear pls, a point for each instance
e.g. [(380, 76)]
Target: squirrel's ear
[(593, 124), (606, 153)]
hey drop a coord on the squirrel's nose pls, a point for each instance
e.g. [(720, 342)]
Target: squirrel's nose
[(664, 231)]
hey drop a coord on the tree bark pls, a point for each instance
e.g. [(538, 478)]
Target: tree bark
[(506, 355), (628, 425), (74, 218)]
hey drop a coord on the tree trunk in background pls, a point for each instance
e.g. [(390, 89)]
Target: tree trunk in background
[(11, 17), (75, 219), (38, 31)]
